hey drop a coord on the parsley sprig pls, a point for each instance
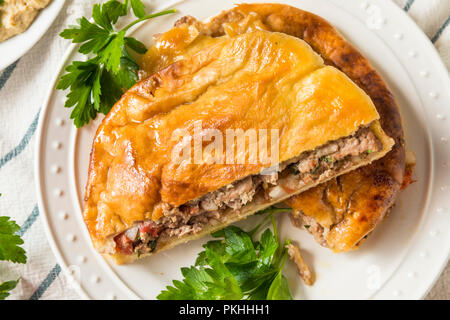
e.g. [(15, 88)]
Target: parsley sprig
[(235, 267), (10, 241), (6, 287), (96, 84), (10, 250)]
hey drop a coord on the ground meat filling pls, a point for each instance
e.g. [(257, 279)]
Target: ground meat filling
[(210, 209)]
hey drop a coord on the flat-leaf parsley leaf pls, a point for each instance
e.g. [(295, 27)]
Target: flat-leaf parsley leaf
[(10, 251), (6, 287), (235, 267), (10, 241), (96, 84)]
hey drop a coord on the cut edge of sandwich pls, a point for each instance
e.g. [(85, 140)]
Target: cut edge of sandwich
[(258, 203)]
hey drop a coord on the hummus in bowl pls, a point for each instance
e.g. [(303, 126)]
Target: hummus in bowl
[(17, 15)]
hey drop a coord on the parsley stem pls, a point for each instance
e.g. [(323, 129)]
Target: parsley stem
[(282, 254), (284, 259), (270, 210), (274, 225), (153, 15), (255, 229)]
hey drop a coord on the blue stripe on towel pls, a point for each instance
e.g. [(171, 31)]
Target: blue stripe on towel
[(52, 275), (23, 143), (441, 29), (408, 5), (29, 222), (7, 73)]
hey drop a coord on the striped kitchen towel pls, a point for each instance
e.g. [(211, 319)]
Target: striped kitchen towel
[(23, 86)]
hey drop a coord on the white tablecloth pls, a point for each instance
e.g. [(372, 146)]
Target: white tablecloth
[(22, 89)]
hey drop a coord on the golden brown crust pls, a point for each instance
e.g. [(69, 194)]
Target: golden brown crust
[(381, 180), (314, 30), (336, 51), (378, 183)]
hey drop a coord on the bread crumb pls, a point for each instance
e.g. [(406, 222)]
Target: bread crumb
[(303, 269)]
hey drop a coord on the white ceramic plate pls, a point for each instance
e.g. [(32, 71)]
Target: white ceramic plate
[(15, 47), (402, 258)]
